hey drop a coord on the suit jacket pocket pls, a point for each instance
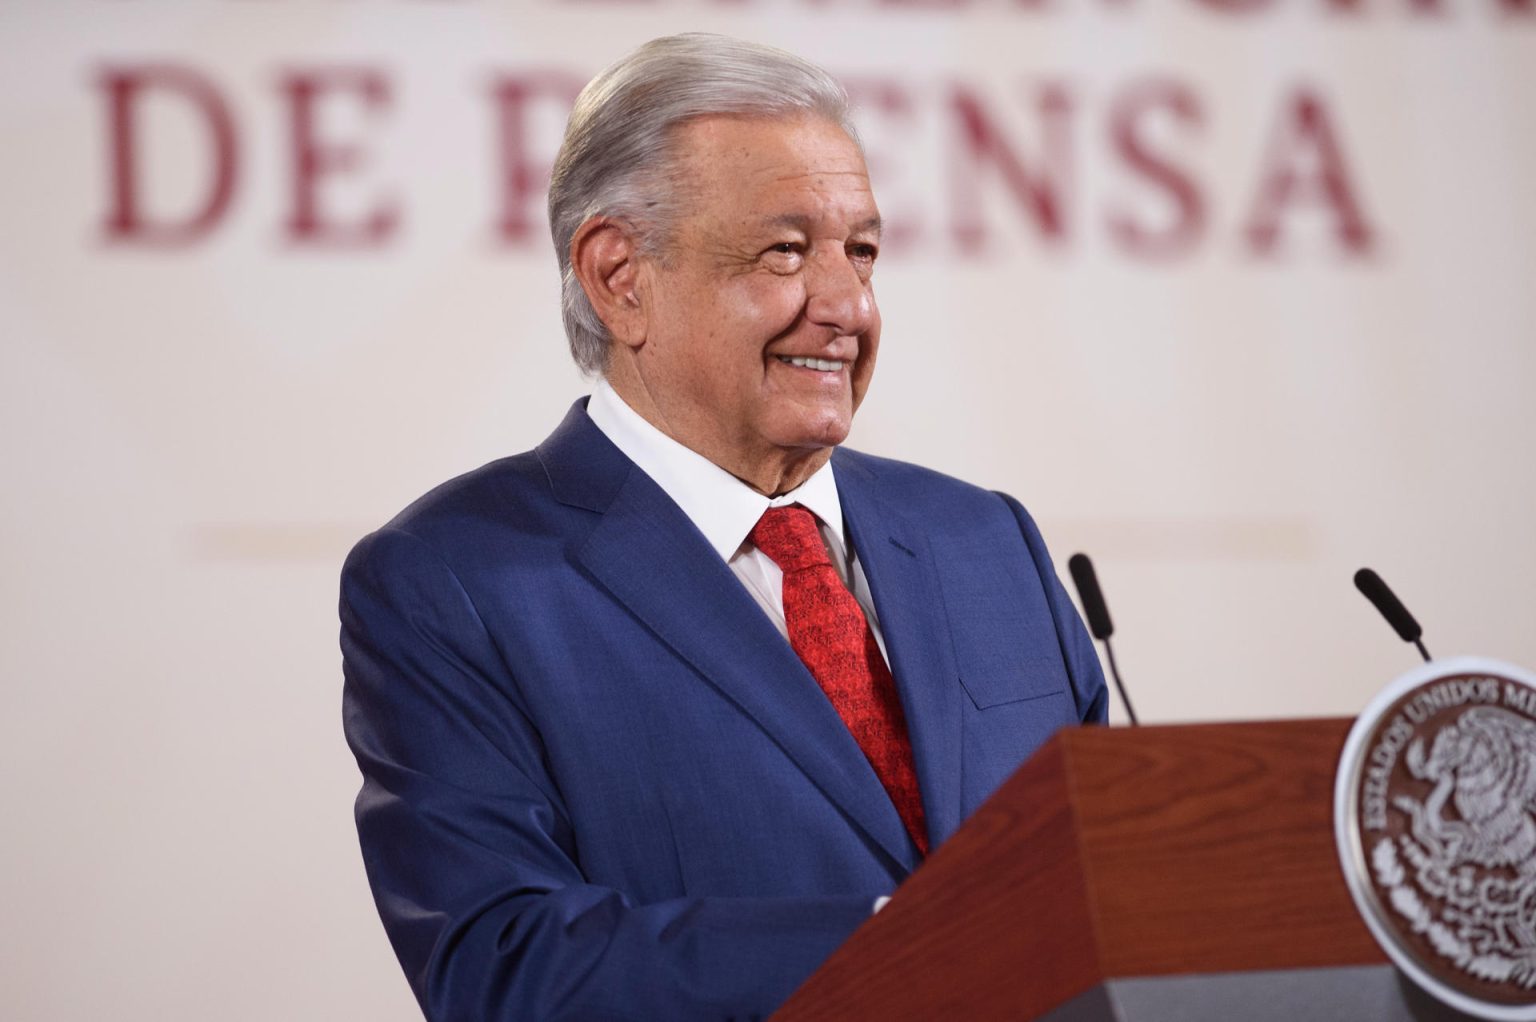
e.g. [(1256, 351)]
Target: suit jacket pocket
[(994, 688)]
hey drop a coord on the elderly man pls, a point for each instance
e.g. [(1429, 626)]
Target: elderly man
[(650, 716)]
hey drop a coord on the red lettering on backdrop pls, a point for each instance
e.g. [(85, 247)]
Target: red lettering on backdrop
[(525, 177), (982, 144), (1305, 165), (1026, 160), (1139, 103), (125, 88), (316, 159)]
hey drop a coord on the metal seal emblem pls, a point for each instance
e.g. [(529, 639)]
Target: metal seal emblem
[(1435, 817)]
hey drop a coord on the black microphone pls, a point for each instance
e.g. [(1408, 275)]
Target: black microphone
[(1093, 600), (1098, 618), (1384, 600)]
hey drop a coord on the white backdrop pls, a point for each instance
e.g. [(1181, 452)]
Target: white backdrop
[(1234, 294)]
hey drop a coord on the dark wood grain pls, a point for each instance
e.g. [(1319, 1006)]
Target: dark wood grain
[(1113, 853)]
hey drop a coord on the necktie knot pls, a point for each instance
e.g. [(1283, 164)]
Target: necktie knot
[(790, 538)]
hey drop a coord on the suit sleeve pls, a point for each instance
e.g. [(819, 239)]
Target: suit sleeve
[(470, 850), (1082, 660)]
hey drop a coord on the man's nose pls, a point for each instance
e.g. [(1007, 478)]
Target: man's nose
[(837, 296)]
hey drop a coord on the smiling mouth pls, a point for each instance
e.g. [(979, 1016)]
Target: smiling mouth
[(821, 365)]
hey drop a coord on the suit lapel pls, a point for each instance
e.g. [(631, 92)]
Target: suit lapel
[(903, 579), (648, 554)]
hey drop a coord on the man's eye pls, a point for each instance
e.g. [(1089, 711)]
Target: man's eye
[(863, 252), (785, 248)]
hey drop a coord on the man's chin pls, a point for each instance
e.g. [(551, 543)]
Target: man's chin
[(816, 434)]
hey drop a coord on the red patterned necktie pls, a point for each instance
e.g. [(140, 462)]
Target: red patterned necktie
[(828, 631)]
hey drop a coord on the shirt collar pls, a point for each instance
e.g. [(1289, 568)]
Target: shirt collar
[(722, 507)]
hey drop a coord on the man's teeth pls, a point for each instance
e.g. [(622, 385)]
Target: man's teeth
[(820, 364)]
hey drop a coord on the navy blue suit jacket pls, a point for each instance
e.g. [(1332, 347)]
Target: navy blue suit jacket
[(598, 783)]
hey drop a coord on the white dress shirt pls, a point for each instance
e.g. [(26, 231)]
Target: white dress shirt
[(725, 509)]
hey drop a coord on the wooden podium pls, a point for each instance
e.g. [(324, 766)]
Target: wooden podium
[(1160, 873)]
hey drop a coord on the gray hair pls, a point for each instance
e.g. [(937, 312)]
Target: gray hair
[(619, 149)]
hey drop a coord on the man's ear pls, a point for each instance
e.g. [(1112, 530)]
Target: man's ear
[(604, 257)]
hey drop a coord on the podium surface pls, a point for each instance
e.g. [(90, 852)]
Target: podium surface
[(1182, 865)]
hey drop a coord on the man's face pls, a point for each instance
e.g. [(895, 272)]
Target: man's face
[(761, 325)]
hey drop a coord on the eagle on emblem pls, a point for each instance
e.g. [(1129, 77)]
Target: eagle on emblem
[(1469, 880), (1484, 765)]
